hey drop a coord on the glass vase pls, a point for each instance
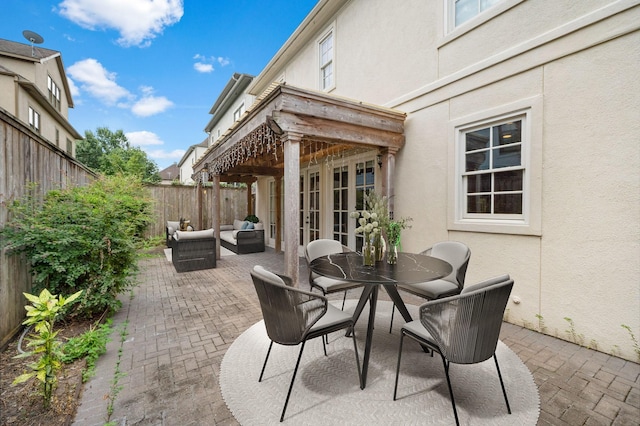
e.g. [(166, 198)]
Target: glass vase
[(368, 251), (392, 254), (379, 246)]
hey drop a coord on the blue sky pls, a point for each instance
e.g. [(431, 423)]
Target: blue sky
[(154, 68)]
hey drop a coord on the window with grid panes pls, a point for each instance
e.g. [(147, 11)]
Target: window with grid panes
[(492, 181), (326, 62)]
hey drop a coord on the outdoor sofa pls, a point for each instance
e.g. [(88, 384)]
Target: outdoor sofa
[(242, 237), (193, 250)]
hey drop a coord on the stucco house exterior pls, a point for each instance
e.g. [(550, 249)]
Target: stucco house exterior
[(188, 160), (509, 125), (229, 106), (34, 89)]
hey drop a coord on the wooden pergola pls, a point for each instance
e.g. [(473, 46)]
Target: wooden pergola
[(288, 126)]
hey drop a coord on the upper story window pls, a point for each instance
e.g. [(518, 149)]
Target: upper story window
[(237, 113), (493, 175), (69, 147), (54, 93), (463, 10), (326, 62), (34, 119)]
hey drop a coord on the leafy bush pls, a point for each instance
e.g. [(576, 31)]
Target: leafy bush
[(90, 345), (82, 238)]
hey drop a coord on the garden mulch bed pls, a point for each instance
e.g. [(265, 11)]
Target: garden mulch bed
[(21, 404)]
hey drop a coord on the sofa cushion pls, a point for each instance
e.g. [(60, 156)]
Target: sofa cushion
[(258, 226), (193, 235), (173, 226), (226, 227), (237, 224)]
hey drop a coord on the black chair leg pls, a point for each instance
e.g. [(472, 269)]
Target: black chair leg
[(355, 349), (344, 299), (504, 391), (395, 388), (393, 309), (265, 361), (295, 371), (453, 401)]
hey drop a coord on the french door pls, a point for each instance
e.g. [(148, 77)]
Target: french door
[(309, 207)]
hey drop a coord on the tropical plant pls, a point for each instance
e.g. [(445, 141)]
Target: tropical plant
[(42, 315)]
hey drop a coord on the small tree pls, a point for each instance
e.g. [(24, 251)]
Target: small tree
[(42, 315)]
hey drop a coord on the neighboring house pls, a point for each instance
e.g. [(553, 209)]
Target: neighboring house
[(34, 89), (509, 125), (170, 175), (188, 160), (230, 106)]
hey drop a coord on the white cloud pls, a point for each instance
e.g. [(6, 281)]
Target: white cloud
[(151, 105), (200, 67), (205, 65), (97, 81), (176, 154), (137, 21), (75, 92), (143, 138)]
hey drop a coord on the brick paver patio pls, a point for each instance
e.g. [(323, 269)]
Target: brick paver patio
[(163, 362)]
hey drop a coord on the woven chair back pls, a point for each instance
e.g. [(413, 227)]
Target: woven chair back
[(466, 327), (288, 312)]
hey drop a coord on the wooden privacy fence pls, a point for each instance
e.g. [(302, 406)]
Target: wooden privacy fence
[(26, 158), (177, 201)]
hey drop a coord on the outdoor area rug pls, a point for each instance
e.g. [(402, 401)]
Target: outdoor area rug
[(326, 390)]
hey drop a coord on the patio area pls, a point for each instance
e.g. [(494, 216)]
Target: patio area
[(164, 361)]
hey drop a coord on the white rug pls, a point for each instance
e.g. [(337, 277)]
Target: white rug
[(223, 252), (326, 390)]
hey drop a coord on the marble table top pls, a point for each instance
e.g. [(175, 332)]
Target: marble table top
[(410, 269)]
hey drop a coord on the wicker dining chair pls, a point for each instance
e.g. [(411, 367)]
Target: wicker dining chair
[(463, 329), (293, 316), (326, 285), (458, 255)]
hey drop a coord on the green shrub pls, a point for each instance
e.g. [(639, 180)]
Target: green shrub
[(82, 238), (90, 345), (252, 218)]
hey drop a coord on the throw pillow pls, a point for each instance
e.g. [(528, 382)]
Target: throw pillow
[(250, 225), (245, 225)]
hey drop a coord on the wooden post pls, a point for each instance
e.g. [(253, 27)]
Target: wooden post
[(216, 212), (291, 145), (389, 160), (278, 224)]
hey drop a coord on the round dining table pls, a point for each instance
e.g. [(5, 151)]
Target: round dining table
[(410, 268)]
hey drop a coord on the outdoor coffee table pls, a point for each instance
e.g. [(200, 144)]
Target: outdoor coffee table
[(410, 269)]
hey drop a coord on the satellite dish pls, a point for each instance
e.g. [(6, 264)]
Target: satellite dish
[(33, 38)]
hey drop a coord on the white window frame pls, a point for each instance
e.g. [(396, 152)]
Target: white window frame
[(323, 64), (34, 119), (452, 32), (54, 92), (529, 222), (237, 114)]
